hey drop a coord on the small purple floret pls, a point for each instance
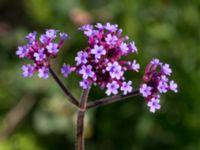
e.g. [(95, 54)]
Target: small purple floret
[(126, 87), (51, 33), (98, 51), (66, 70), (22, 51), (112, 88), (154, 104), (81, 58), (39, 56), (85, 84), (52, 48), (64, 36), (145, 90), (43, 73), (27, 70), (31, 36), (135, 66), (173, 86), (111, 39), (123, 46), (87, 72)]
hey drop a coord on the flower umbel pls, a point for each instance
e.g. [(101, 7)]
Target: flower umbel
[(99, 63), (40, 52), (156, 82)]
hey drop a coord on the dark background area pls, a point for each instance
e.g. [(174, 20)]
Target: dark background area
[(34, 114)]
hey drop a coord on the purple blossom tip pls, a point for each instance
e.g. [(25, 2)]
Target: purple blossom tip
[(110, 27), (98, 51), (111, 40), (27, 70), (43, 73), (85, 84), (154, 104), (64, 36), (145, 90), (124, 48), (81, 58), (52, 48), (51, 33), (22, 51), (87, 72), (126, 87), (173, 86), (112, 88), (39, 56), (167, 70), (31, 36), (66, 70), (135, 66)]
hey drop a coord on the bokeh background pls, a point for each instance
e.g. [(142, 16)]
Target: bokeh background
[(35, 115)]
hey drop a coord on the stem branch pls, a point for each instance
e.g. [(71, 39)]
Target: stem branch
[(111, 99), (71, 98)]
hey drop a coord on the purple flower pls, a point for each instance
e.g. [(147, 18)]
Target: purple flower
[(145, 90), (173, 86), (27, 70), (155, 61), (88, 29), (43, 73), (51, 33), (124, 48), (99, 26), (154, 104), (64, 36), (111, 28), (167, 70), (164, 78), (98, 51), (111, 40), (22, 51), (126, 87), (52, 48), (31, 36), (87, 72), (66, 70), (162, 87), (135, 66), (43, 38), (81, 58), (112, 88), (132, 47), (115, 70), (85, 84), (39, 56)]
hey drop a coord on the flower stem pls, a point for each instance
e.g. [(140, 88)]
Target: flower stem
[(111, 99), (71, 98), (80, 144)]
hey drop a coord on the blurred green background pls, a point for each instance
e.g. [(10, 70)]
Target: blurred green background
[(34, 114)]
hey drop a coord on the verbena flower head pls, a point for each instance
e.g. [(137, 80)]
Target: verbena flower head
[(156, 82), (99, 63), (40, 52)]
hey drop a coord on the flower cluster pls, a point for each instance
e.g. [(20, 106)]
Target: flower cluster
[(40, 51), (99, 63), (156, 82)]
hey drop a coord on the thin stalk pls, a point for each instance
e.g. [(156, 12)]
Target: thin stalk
[(80, 143), (111, 99), (71, 98)]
